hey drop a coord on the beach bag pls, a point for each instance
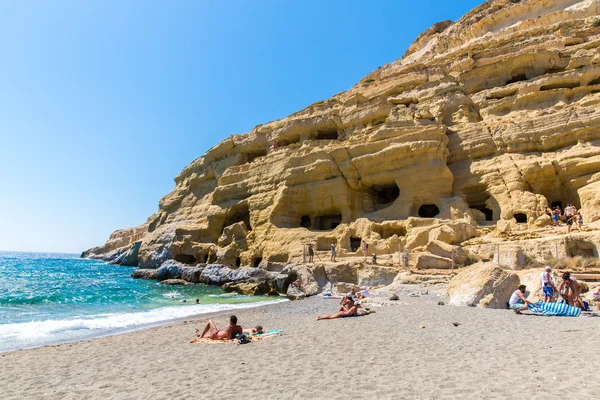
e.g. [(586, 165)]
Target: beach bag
[(244, 339)]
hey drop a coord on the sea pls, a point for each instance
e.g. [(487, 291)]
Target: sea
[(49, 298)]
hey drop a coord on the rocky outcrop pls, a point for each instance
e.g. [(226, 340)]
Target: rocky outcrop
[(487, 120), (482, 285)]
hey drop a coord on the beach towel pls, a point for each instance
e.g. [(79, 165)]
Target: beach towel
[(555, 309), (255, 337)]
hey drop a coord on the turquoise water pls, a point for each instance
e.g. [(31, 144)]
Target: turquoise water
[(52, 298)]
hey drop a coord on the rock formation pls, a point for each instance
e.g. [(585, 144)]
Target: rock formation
[(484, 122)]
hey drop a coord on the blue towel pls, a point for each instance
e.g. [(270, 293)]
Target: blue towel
[(555, 309)]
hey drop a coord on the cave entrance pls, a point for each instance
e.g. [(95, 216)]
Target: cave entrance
[(186, 259), (581, 248), (238, 262), (330, 134), (389, 231), (203, 258), (354, 243), (385, 195), (428, 211), (327, 222), (305, 222), (555, 204), (256, 262), (251, 156), (517, 78), (240, 213), (521, 218), (489, 214), (212, 258)]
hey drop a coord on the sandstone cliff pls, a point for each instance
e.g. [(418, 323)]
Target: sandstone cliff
[(485, 121)]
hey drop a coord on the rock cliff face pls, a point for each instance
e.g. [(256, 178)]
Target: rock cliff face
[(490, 119)]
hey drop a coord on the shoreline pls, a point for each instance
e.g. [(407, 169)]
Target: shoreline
[(150, 325), (406, 349)]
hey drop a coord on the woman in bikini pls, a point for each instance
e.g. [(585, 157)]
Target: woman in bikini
[(343, 313)]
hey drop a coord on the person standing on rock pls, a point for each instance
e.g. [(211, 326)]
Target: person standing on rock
[(365, 249), (311, 253), (333, 251), (547, 284)]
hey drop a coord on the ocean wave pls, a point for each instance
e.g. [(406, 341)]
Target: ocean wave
[(39, 333)]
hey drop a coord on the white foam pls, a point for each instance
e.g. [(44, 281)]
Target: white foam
[(40, 333)]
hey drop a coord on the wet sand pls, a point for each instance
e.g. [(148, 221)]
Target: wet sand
[(408, 350)]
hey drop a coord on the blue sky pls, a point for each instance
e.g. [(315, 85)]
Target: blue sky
[(103, 103)]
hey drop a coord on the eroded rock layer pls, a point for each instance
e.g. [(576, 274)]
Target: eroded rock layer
[(490, 119)]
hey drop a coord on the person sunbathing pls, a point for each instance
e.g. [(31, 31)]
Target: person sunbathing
[(343, 313), (257, 330), (227, 334)]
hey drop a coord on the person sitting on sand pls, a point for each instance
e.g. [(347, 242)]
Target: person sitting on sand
[(227, 334), (343, 313), (570, 289), (364, 293), (518, 300), (547, 284), (257, 330), (348, 298)]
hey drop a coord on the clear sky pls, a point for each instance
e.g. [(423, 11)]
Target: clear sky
[(103, 103)]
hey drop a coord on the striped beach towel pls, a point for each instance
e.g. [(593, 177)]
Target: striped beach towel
[(555, 309)]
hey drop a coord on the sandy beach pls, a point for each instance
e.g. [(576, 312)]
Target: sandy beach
[(410, 349)]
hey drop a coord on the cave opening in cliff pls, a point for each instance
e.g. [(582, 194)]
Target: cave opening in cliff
[(389, 231), (517, 78), (329, 134), (489, 214), (256, 262), (327, 222), (428, 211), (354, 243), (581, 248), (238, 262), (559, 85), (239, 213), (212, 258), (251, 156), (555, 204), (305, 222), (385, 195), (521, 218), (203, 258), (186, 259)]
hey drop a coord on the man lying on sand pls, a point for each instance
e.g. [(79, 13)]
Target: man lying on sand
[(344, 312), (227, 334)]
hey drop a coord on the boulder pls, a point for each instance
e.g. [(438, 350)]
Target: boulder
[(293, 293), (372, 275), (130, 257), (442, 249), (308, 283), (341, 273), (174, 282), (511, 257), (144, 274), (444, 234), (482, 285), (430, 261), (249, 288), (191, 274)]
